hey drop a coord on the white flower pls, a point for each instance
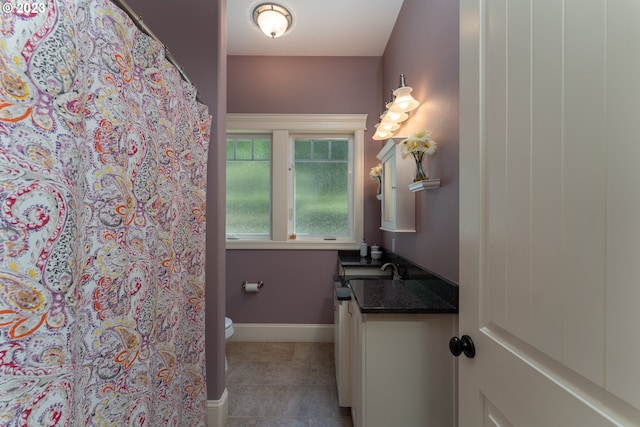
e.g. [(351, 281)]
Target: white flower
[(419, 142), (430, 147), (376, 171), (421, 136)]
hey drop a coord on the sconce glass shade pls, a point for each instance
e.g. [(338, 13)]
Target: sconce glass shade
[(388, 126), (403, 102), (272, 19), (391, 116), (382, 134)]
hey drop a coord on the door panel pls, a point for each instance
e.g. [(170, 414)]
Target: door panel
[(584, 194), (623, 201), (550, 212), (491, 416), (546, 172)]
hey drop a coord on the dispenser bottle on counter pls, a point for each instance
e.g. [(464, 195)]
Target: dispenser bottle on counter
[(363, 248)]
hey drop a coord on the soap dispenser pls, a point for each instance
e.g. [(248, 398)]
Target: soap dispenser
[(363, 248)]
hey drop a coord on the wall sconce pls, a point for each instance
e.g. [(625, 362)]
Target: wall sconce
[(401, 103), (272, 19)]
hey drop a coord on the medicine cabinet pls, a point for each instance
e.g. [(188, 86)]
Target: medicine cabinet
[(398, 202)]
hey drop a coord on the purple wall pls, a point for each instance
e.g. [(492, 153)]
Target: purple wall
[(298, 284), (424, 46), (201, 51), (216, 191), (305, 84)]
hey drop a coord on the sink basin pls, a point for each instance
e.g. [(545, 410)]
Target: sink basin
[(364, 271), (345, 279)]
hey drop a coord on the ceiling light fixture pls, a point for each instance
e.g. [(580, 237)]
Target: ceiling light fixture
[(272, 19)]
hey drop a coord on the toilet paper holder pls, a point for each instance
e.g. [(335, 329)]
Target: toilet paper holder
[(245, 283)]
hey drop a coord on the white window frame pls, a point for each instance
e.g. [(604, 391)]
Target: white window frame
[(283, 127)]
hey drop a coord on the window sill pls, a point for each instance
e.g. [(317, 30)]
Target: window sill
[(293, 244)]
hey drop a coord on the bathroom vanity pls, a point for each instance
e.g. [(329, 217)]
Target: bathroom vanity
[(401, 370)]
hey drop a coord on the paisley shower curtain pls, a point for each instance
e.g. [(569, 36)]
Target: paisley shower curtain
[(102, 223)]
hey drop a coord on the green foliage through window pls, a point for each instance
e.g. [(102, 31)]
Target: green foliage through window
[(321, 187), (248, 195)]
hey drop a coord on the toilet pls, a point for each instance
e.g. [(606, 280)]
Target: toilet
[(228, 332)]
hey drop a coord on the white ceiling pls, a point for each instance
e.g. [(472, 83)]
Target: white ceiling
[(320, 28)]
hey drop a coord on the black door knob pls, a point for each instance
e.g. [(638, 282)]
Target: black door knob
[(457, 346)]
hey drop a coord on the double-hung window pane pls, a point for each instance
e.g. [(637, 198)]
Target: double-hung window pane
[(248, 187), (322, 187)]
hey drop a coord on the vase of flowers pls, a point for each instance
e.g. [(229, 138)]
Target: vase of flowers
[(376, 173), (417, 146)]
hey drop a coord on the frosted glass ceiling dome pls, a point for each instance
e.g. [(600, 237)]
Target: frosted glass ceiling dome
[(272, 19)]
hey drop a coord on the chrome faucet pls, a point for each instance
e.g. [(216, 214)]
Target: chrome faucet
[(396, 272)]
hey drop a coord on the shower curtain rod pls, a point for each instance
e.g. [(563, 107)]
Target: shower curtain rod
[(137, 19)]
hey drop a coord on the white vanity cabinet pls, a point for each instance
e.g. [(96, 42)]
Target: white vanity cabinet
[(402, 370), (342, 320), (398, 202), (342, 313)]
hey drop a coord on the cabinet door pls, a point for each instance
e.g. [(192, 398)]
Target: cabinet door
[(342, 349), (389, 191), (398, 202), (356, 364)]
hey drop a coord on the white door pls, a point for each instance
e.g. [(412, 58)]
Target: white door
[(550, 212)]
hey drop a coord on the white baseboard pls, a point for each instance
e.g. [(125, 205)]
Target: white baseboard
[(217, 411), (281, 332)]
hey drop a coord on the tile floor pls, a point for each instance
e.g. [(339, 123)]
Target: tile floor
[(283, 385)]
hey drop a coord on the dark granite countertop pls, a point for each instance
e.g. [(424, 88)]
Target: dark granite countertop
[(420, 292), (403, 296)]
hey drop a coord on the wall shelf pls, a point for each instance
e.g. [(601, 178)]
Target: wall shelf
[(424, 185)]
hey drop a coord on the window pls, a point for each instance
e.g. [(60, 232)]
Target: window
[(321, 181), (294, 181), (249, 186)]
